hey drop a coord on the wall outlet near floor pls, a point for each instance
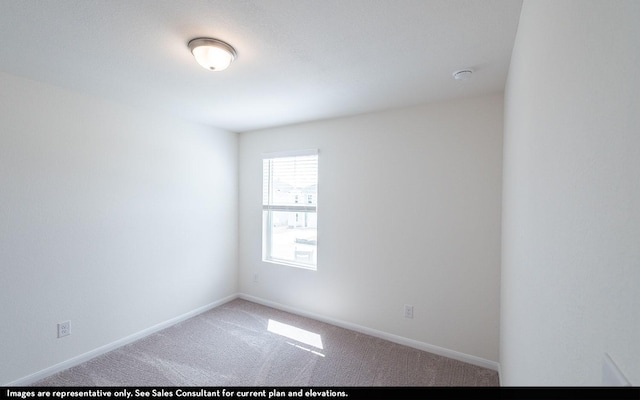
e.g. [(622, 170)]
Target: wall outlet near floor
[(255, 278), (408, 311), (64, 329)]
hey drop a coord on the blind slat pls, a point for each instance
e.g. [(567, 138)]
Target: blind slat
[(289, 208)]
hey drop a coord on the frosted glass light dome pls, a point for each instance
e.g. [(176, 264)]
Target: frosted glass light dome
[(212, 54)]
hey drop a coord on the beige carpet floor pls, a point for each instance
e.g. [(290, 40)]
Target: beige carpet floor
[(242, 343)]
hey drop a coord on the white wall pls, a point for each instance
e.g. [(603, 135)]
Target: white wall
[(409, 213), (111, 218), (571, 221)]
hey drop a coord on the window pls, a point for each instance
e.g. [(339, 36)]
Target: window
[(289, 208)]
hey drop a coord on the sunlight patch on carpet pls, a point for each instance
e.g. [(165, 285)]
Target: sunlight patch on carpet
[(297, 334)]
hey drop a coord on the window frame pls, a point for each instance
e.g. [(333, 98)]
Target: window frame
[(301, 206)]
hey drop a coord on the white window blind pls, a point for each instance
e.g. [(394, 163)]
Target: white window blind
[(289, 205)]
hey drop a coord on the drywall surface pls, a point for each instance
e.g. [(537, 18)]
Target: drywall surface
[(571, 221), (111, 218), (408, 213)]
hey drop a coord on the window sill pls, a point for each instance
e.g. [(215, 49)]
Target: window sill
[(292, 264)]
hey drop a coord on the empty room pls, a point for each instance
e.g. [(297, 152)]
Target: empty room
[(357, 193)]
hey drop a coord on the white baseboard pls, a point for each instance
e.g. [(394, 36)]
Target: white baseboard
[(29, 379), (481, 362)]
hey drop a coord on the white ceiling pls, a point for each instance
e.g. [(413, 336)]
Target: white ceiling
[(298, 60)]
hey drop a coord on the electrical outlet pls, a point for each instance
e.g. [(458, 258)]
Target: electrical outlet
[(408, 311), (64, 329), (255, 278)]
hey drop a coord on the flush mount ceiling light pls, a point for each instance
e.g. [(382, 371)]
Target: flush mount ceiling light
[(462, 75), (212, 54)]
